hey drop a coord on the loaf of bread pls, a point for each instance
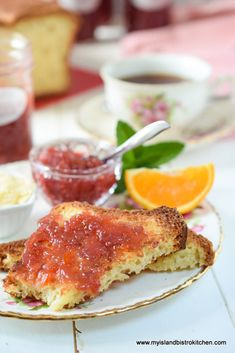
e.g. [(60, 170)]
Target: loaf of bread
[(79, 250), (51, 31)]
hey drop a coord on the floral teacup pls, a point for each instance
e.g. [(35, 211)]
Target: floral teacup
[(177, 102)]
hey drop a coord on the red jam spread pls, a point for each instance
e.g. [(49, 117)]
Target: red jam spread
[(87, 183), (67, 159), (77, 251)]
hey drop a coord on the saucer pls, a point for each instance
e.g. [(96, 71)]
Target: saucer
[(215, 122)]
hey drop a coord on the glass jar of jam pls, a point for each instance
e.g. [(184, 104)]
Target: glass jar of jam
[(92, 12), (145, 14), (16, 99), (73, 170)]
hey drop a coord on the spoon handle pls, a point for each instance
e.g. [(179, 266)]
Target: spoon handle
[(143, 135)]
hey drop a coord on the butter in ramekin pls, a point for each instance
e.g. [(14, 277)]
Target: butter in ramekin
[(15, 190)]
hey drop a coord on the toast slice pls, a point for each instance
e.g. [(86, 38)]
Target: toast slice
[(198, 252), (11, 253), (79, 250)]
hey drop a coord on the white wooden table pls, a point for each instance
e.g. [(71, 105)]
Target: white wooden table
[(204, 311)]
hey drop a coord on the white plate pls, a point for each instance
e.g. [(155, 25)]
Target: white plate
[(137, 292), (215, 122)]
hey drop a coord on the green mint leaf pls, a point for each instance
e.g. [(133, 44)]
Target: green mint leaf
[(152, 156), (123, 132), (121, 187)]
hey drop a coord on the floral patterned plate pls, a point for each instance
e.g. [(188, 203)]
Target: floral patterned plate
[(139, 291)]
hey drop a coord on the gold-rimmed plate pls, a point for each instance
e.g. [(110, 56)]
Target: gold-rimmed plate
[(139, 291)]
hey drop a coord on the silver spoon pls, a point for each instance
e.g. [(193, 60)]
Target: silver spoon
[(143, 135)]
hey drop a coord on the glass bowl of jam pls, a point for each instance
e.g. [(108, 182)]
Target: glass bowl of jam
[(73, 170)]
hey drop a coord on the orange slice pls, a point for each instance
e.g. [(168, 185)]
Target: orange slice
[(183, 189)]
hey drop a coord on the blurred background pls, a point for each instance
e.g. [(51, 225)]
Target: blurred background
[(109, 19), (70, 40)]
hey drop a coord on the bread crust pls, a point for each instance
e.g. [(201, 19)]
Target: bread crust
[(201, 242), (198, 252), (10, 253)]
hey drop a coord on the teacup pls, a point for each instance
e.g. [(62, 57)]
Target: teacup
[(144, 89)]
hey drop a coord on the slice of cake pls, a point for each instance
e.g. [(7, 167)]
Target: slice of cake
[(198, 252), (51, 31), (79, 250)]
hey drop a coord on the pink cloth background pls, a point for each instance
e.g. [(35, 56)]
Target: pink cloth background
[(212, 39), (185, 11)]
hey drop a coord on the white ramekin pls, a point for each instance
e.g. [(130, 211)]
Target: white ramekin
[(13, 217)]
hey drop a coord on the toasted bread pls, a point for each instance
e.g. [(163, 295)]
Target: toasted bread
[(10, 253), (198, 252), (79, 250)]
